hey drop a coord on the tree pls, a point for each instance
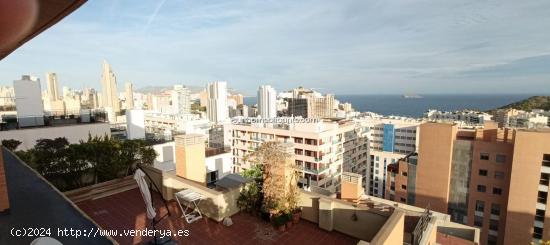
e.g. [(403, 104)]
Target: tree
[(272, 157), (11, 144), (251, 196), (105, 158)]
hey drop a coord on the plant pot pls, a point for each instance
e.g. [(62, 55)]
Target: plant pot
[(289, 225), (265, 216), (296, 217)]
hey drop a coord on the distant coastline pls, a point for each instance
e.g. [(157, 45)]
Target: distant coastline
[(396, 104)]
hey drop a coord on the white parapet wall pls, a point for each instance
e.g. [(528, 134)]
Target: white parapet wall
[(73, 133)]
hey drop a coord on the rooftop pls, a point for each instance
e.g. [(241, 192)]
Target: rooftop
[(125, 211)]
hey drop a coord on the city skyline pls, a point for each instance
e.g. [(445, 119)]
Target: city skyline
[(347, 48)]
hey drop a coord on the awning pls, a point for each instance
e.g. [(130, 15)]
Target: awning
[(231, 181)]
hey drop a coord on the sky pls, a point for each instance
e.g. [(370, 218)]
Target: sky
[(342, 47)]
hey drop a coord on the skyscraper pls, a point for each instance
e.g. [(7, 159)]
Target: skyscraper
[(129, 89), (51, 79), (216, 106), (267, 98), (109, 93), (181, 103)]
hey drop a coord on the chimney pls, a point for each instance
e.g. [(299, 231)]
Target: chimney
[(351, 186), (190, 157), (4, 200)]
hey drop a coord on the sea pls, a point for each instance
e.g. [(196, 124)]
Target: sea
[(393, 104)]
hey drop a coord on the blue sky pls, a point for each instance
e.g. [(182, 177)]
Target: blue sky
[(344, 47)]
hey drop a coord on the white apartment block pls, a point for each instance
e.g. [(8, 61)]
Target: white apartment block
[(389, 140), (466, 116), (528, 120), (216, 102), (181, 102), (28, 101), (321, 149), (165, 125), (522, 119), (267, 99)]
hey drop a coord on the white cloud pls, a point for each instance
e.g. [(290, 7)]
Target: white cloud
[(424, 46)]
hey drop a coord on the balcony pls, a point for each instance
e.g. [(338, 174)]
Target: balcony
[(312, 170)]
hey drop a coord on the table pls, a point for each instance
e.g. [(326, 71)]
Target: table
[(193, 213)]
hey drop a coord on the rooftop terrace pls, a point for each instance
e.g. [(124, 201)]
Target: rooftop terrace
[(126, 211)]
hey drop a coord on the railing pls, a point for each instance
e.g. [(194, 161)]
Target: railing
[(312, 170)]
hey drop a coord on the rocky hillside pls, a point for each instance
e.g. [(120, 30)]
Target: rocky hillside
[(534, 102)]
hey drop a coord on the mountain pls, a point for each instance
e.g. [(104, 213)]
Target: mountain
[(192, 89), (534, 102)]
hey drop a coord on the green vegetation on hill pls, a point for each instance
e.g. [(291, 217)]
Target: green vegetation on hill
[(534, 102)]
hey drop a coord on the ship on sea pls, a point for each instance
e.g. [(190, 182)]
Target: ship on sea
[(412, 96)]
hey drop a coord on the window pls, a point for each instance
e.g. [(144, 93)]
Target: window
[(492, 240), (546, 160), (404, 173), (484, 156), (481, 188), (537, 233), (499, 158), (482, 172), (493, 225), (404, 187), (539, 215), (478, 221), (497, 191), (403, 200), (480, 206), (499, 175), (495, 209), (542, 196), (544, 179)]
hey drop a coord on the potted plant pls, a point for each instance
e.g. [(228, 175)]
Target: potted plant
[(296, 214), (279, 221), (289, 220)]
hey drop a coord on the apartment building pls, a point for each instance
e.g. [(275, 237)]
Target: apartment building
[(502, 117), (322, 150), (492, 178), (467, 116), (310, 104), (390, 139)]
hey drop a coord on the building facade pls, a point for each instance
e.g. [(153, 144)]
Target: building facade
[(492, 178), (109, 94), (216, 102), (390, 139), (321, 150), (267, 98), (28, 101), (129, 95), (181, 101)]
